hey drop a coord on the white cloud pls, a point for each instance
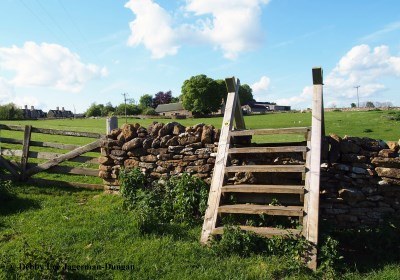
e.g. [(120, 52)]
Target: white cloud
[(152, 28), (360, 66), (48, 65), (305, 95), (234, 26), (365, 67), (7, 92), (261, 87), (7, 95)]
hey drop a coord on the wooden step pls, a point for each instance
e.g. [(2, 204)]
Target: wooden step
[(247, 188), (263, 231), (266, 168), (270, 131), (261, 209), (283, 149)]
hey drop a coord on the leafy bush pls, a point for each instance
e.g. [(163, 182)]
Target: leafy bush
[(149, 112), (245, 243), (179, 200), (131, 181), (188, 197)]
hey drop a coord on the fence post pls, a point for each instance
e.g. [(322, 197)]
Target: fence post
[(25, 150), (111, 123)]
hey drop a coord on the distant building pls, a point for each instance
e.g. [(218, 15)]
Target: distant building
[(172, 109), (263, 107), (33, 113), (60, 114)]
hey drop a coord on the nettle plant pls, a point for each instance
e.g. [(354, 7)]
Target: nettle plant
[(177, 200)]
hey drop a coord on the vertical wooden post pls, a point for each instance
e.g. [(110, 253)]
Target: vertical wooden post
[(214, 196), (311, 232), (239, 120), (25, 151)]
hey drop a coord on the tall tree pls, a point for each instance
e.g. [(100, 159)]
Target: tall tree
[(145, 101), (245, 94), (161, 98), (200, 94)]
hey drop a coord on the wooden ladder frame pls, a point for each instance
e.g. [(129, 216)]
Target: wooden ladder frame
[(233, 111)]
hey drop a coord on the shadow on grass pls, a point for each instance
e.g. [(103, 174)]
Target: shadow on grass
[(16, 205), (366, 250)]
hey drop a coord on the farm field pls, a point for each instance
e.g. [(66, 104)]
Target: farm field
[(374, 124), (53, 226)]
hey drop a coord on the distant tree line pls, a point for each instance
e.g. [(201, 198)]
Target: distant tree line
[(200, 94), (370, 104), (146, 106), (10, 112)]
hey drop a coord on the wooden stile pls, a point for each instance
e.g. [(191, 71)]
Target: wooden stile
[(253, 198)]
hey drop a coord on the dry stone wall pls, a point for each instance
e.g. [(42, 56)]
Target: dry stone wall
[(161, 150), (360, 181), (360, 177)]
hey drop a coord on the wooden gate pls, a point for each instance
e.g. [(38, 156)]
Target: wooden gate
[(16, 161)]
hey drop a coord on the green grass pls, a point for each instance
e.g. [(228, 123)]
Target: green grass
[(382, 123), (88, 227)]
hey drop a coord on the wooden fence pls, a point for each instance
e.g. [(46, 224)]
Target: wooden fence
[(16, 161)]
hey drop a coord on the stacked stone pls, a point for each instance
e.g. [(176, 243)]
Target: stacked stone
[(159, 151), (360, 183)]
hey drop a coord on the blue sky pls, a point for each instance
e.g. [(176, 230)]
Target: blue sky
[(72, 53)]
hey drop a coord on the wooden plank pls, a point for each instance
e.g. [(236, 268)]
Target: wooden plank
[(263, 231), (25, 150), (210, 217), (64, 157), (315, 167), (6, 164), (49, 155), (261, 209), (246, 188), (56, 183), (60, 146), (265, 168), (283, 149), (53, 131), (270, 131)]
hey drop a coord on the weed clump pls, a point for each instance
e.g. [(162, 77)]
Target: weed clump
[(178, 200)]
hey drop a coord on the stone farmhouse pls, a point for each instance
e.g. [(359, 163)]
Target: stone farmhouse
[(59, 114), (33, 113), (172, 110)]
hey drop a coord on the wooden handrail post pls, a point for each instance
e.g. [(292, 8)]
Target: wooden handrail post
[(210, 217), (25, 151), (317, 131)]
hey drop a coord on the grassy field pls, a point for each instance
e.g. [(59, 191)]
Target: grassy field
[(375, 124), (52, 225), (55, 226)]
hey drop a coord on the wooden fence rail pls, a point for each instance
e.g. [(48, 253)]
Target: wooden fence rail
[(23, 170)]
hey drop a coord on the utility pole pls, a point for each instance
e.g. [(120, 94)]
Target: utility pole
[(126, 117), (358, 98)]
